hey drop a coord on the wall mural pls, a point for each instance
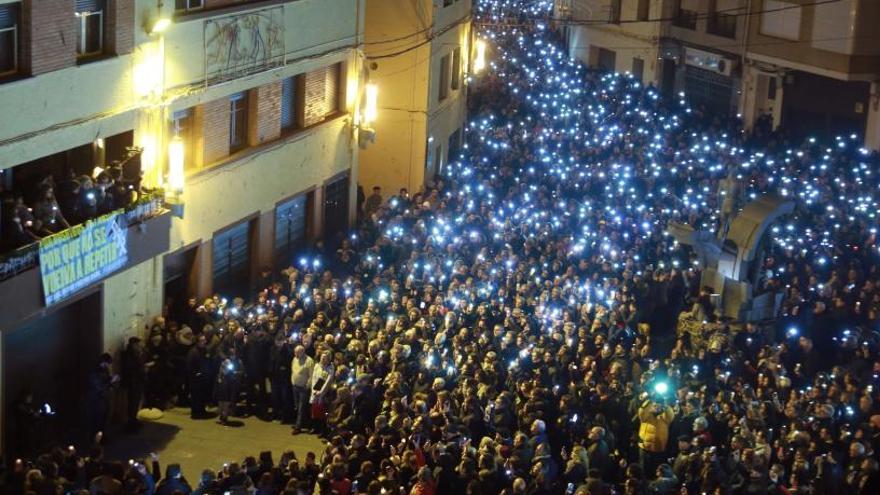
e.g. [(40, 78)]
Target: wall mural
[(243, 44)]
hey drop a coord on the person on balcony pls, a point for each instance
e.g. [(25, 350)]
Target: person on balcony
[(47, 213)]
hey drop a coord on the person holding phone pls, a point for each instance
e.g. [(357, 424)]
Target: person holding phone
[(321, 379)]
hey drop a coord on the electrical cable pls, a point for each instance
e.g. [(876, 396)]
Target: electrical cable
[(573, 22)]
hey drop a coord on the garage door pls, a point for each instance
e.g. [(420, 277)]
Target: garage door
[(709, 89)]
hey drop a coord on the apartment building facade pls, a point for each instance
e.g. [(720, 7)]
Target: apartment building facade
[(750, 58), (688, 45), (614, 35), (797, 50), (239, 118), (417, 54)]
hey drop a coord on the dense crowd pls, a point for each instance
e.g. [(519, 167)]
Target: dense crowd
[(54, 204), (512, 327)]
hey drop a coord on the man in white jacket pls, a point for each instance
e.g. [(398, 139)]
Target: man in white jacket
[(301, 368)]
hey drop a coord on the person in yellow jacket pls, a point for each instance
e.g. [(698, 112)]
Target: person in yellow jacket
[(654, 421)]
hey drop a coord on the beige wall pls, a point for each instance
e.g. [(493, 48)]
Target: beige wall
[(852, 54), (624, 47), (63, 109), (627, 40), (131, 299), (409, 110)]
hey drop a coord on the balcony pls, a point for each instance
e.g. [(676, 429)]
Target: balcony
[(147, 225)]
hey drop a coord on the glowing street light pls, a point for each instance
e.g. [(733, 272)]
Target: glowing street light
[(480, 57), (370, 104), (159, 26)]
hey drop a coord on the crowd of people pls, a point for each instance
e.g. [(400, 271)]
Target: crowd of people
[(54, 204), (512, 327)]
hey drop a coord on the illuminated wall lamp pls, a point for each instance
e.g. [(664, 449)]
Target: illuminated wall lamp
[(480, 56), (370, 104), (366, 134), (158, 26), (176, 178)]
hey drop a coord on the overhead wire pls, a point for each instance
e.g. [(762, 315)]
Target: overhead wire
[(571, 22), (707, 15)]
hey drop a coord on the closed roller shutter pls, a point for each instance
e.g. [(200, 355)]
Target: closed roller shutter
[(290, 227), (332, 91), (288, 102), (89, 5), (231, 264), (709, 89), (321, 97)]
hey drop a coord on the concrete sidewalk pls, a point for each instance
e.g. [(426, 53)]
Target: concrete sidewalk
[(200, 444)]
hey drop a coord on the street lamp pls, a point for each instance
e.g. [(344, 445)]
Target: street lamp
[(370, 104), (480, 57)]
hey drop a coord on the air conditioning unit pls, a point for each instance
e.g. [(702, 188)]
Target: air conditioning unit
[(709, 61)]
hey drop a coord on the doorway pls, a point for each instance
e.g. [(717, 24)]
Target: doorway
[(335, 210), (179, 282), (50, 357)]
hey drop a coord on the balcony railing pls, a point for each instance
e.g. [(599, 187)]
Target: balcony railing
[(148, 205)]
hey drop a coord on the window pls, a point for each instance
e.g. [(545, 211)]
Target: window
[(781, 20), (290, 104), (456, 68), (238, 121), (614, 12), (322, 92), (89, 27), (447, 3), (187, 5), (444, 78), (8, 39), (642, 10), (332, 93), (183, 126), (686, 14), (231, 258), (722, 20), (290, 227), (721, 24)]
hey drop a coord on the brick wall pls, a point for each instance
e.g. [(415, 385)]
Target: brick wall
[(215, 130), (120, 26), (264, 113), (49, 35)]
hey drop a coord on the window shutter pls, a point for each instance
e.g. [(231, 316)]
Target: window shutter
[(89, 5), (290, 225), (331, 91), (232, 252), (288, 100), (8, 15), (314, 96)]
